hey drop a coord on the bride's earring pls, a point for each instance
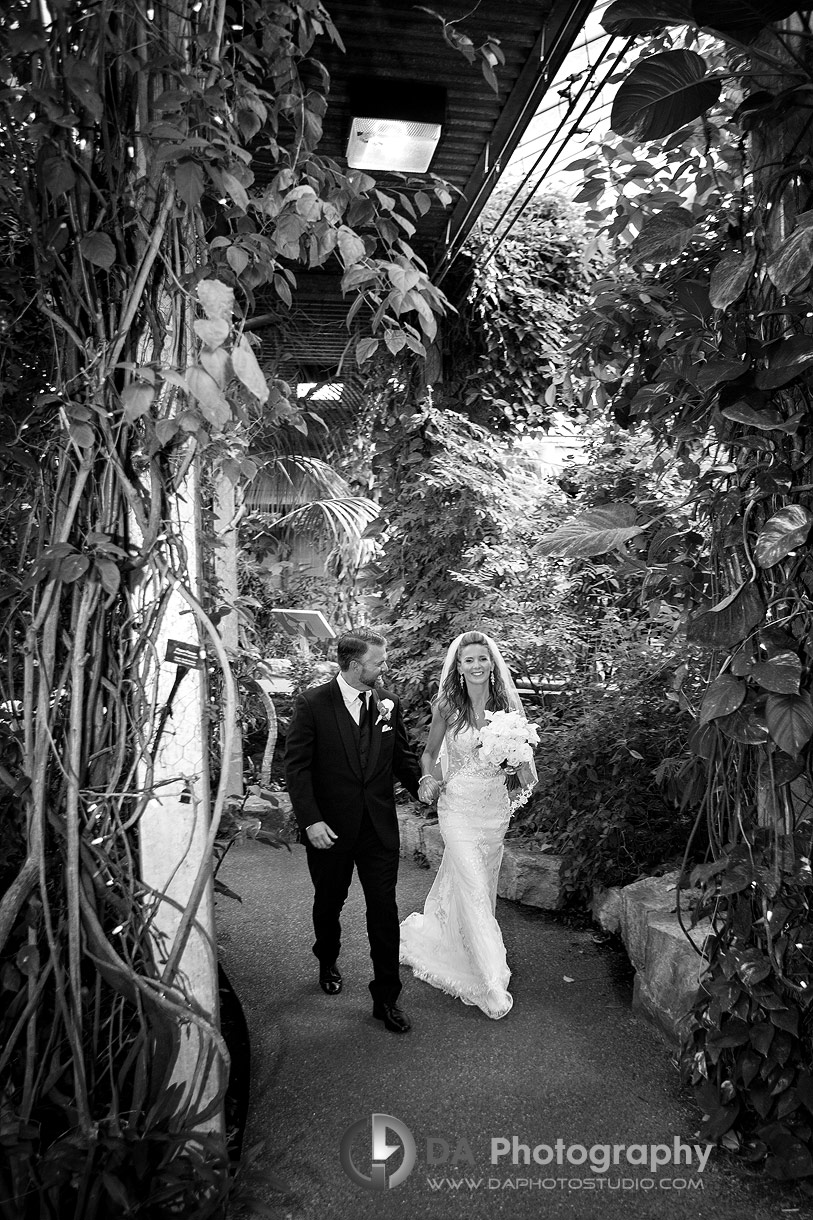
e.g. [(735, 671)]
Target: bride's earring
[(491, 679), (462, 681)]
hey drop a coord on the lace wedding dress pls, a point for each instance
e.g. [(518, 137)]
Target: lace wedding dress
[(456, 944)]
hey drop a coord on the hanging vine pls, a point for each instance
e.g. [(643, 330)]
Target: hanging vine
[(134, 239)]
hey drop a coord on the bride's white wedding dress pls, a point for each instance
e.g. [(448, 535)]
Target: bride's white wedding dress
[(456, 944)]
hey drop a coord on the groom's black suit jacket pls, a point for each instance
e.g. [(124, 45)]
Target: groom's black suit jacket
[(326, 782)]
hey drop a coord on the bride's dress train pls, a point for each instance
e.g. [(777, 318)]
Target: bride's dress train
[(456, 944)]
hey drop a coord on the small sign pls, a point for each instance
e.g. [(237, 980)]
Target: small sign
[(304, 623), (188, 655)]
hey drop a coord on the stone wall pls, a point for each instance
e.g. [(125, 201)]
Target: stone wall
[(666, 951)]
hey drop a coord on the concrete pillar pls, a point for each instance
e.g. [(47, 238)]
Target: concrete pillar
[(174, 827), (225, 563)]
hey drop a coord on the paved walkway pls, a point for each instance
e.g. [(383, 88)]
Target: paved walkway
[(571, 1062)]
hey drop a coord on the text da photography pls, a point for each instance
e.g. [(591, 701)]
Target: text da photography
[(381, 1153)]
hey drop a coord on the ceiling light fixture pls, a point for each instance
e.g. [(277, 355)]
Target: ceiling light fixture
[(396, 124)]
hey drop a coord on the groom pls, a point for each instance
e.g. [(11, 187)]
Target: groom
[(346, 743)]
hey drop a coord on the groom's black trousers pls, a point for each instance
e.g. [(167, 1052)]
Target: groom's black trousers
[(331, 871)]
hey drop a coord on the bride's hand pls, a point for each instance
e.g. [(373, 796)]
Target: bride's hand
[(428, 789)]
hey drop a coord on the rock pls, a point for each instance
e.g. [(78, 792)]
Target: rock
[(274, 812), (432, 843), (638, 902), (667, 986), (606, 907), (531, 877), (667, 966), (410, 830)]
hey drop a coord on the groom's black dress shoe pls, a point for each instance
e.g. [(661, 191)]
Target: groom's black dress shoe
[(392, 1017), (330, 979)]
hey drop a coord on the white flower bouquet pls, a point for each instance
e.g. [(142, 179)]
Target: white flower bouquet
[(506, 740)]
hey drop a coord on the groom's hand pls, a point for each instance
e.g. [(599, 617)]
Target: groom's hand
[(321, 835), (428, 790)]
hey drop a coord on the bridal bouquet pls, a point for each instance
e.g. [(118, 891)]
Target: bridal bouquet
[(506, 741), (507, 738)]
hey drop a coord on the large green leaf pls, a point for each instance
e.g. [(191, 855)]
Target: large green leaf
[(724, 695), (245, 365), (742, 18), (663, 236), (72, 567), (752, 967), (792, 261), (745, 725), (790, 1160), (216, 298), (730, 277), (593, 533), (781, 674), (703, 740), (730, 622), (715, 372), (365, 349), (804, 1087), (98, 249), (741, 413), (212, 331), (57, 175), (627, 18), (212, 403), (788, 358), (189, 182), (136, 399), (662, 94), (780, 535), (790, 721)]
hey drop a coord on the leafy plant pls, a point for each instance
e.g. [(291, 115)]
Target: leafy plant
[(747, 1047), (603, 803), (521, 288), (158, 165), (488, 54), (443, 489), (706, 344)]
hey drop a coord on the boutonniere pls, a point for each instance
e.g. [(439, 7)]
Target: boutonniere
[(385, 709)]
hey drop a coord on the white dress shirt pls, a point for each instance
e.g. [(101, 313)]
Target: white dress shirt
[(352, 697)]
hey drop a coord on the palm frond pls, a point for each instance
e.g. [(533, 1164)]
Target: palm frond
[(345, 518), (293, 479)]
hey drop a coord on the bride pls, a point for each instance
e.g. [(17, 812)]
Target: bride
[(456, 944)]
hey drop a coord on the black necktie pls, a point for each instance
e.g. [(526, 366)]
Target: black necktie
[(365, 728)]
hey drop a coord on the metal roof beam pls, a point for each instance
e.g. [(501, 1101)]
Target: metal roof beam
[(555, 40)]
